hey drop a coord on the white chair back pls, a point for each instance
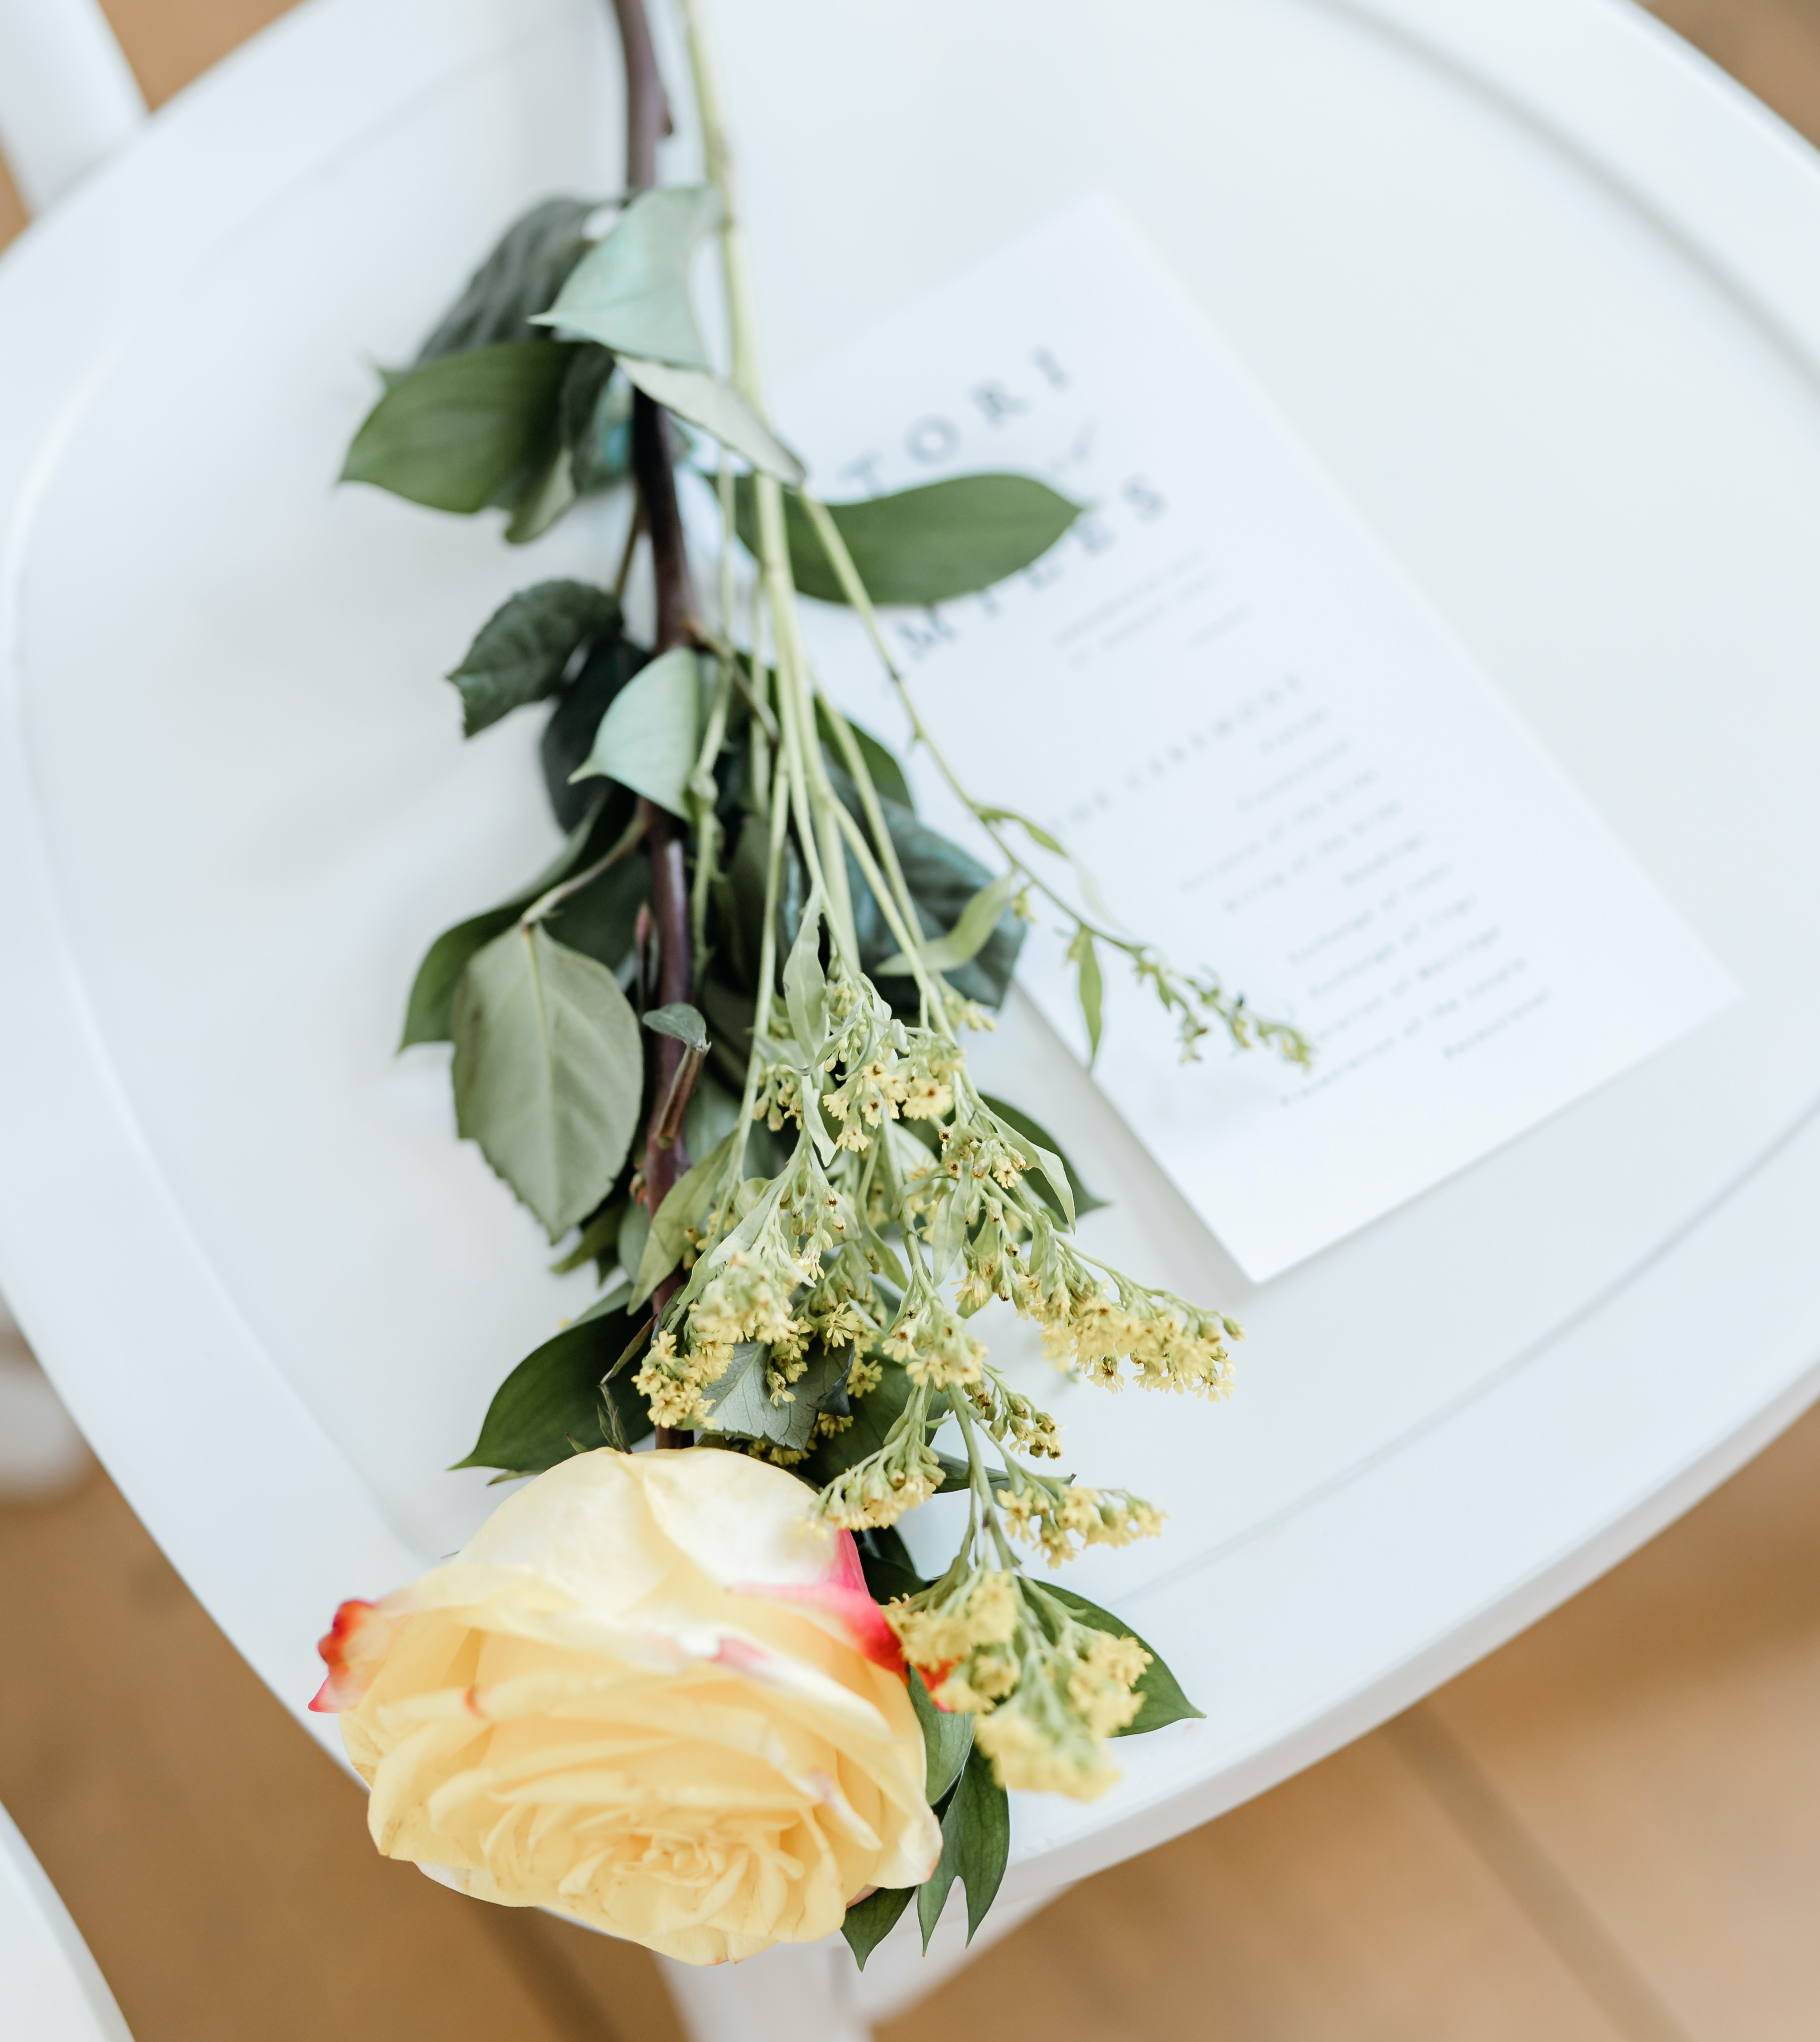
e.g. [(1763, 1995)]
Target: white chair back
[(67, 95)]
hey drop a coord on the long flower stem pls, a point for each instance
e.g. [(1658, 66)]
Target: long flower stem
[(666, 1159)]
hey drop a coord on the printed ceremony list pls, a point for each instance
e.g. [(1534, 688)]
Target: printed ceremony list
[(1218, 694)]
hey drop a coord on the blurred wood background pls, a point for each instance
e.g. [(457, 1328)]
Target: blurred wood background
[(1608, 1832)]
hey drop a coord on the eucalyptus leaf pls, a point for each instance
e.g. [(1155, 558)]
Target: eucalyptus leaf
[(550, 1399), (925, 546), (720, 410), (970, 934), (683, 1024), (651, 732), (520, 278), (1039, 1137), (947, 1738), (631, 291), (523, 648), (1163, 1700), (869, 1921), (548, 1072), (976, 1847), (464, 430)]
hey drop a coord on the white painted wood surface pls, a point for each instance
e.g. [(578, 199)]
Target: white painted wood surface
[(1540, 287), (68, 97), (51, 1988)]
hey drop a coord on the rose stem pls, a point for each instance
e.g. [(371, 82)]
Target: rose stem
[(666, 1154)]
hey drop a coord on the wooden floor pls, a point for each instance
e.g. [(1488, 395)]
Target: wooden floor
[(1608, 1832)]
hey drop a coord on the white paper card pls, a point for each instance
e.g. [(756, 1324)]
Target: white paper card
[(1229, 706)]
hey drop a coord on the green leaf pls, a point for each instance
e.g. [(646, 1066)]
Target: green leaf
[(947, 1738), (1163, 1701), (885, 1561), (465, 430), (649, 735), (976, 1847), (552, 1399), (806, 986), (631, 291), (683, 1024), (873, 1415), (548, 1072), (634, 1237), (522, 649), (720, 410), (519, 279), (970, 934), (928, 545), (943, 878), (869, 1921), (684, 1205), (575, 723), (426, 1017), (543, 499), (1089, 986), (597, 421), (882, 762), (740, 1402), (600, 920), (1035, 831), (599, 1239), (1041, 1141)]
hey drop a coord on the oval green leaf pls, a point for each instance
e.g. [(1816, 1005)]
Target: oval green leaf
[(649, 735), (631, 291), (928, 544), (465, 430), (548, 1072), (517, 280), (720, 410), (521, 651)]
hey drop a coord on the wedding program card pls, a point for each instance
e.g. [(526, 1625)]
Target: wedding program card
[(1229, 706)]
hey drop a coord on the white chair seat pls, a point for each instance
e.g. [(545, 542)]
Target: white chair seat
[(1537, 286)]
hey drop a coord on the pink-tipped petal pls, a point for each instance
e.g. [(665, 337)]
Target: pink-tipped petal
[(354, 1649), (850, 1612)]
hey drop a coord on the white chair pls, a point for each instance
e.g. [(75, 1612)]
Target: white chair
[(1540, 287), (53, 1989)]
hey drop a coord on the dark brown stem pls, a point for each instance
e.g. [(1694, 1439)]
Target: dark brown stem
[(666, 1154), (647, 106)]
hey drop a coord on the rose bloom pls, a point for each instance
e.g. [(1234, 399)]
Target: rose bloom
[(652, 1693)]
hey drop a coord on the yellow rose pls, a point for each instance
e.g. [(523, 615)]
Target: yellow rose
[(651, 1693)]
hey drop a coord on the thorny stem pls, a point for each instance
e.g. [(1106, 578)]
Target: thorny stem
[(666, 1160)]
